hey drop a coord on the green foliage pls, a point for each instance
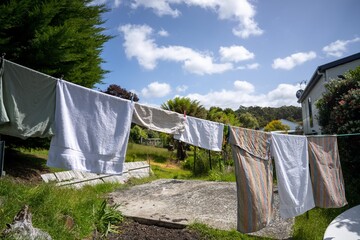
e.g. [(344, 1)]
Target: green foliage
[(248, 121), (276, 125), (106, 219), (185, 105), (137, 152), (339, 106), (266, 114), (226, 116), (56, 37), (50, 205), (137, 133)]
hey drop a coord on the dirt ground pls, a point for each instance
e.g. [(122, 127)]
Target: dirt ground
[(18, 167), (130, 230)]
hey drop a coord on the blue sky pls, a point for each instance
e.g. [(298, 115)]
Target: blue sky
[(225, 53)]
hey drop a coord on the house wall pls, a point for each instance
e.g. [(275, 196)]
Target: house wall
[(317, 92)]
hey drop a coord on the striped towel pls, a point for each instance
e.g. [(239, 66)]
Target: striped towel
[(326, 174), (254, 178)]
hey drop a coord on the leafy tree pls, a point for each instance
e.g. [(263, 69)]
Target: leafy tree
[(137, 133), (191, 108), (118, 91), (62, 37), (276, 125), (248, 121), (226, 116), (339, 106), (185, 105)]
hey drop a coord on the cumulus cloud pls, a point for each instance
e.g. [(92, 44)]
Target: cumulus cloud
[(181, 88), (251, 66), (339, 47), (139, 44), (244, 86), (293, 60), (163, 33), (156, 89), (244, 94), (116, 4), (240, 11), (235, 54)]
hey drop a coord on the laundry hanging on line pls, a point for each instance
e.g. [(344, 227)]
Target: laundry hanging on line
[(202, 133), (89, 137), (293, 177), (158, 119), (326, 174), (27, 102), (254, 178)]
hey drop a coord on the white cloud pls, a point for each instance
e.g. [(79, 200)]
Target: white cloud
[(181, 88), (283, 94), (163, 33), (156, 89), (139, 44), (251, 66), (293, 60), (339, 47), (240, 11), (244, 86), (117, 3), (235, 54)]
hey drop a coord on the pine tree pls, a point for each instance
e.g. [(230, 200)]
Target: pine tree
[(56, 37)]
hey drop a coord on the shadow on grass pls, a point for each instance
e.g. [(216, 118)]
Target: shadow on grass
[(24, 166)]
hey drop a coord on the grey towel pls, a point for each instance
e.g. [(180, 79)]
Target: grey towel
[(27, 102)]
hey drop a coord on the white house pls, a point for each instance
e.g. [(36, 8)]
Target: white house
[(315, 88)]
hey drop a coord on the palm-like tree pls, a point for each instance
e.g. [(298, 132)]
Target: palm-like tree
[(190, 108)]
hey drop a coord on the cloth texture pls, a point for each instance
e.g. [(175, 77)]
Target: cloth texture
[(326, 174), (292, 171), (92, 130), (158, 119), (254, 178), (202, 133), (27, 102)]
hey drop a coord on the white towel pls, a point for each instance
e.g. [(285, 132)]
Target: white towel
[(158, 119), (92, 130), (202, 133), (292, 171)]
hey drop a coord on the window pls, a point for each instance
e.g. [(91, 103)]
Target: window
[(310, 113)]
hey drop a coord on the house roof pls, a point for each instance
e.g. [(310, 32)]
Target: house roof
[(321, 69)]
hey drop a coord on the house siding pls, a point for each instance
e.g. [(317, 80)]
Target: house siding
[(317, 91)]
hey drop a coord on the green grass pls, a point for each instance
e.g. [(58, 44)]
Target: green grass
[(215, 234), (136, 152), (50, 205)]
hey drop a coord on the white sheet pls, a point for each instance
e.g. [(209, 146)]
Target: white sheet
[(202, 133), (292, 171), (92, 130), (158, 119)]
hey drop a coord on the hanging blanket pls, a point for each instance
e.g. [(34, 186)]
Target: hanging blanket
[(254, 178), (326, 174)]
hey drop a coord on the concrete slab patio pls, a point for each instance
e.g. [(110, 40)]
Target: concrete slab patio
[(177, 203)]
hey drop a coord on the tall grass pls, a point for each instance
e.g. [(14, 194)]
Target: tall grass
[(51, 206)]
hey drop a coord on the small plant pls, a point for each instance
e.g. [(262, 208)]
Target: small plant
[(106, 218)]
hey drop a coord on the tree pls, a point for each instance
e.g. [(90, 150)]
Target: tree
[(226, 116), (191, 108), (62, 37), (137, 133), (185, 105), (276, 125), (248, 121), (118, 91), (339, 106)]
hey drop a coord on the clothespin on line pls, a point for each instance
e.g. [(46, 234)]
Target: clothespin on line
[(132, 97)]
